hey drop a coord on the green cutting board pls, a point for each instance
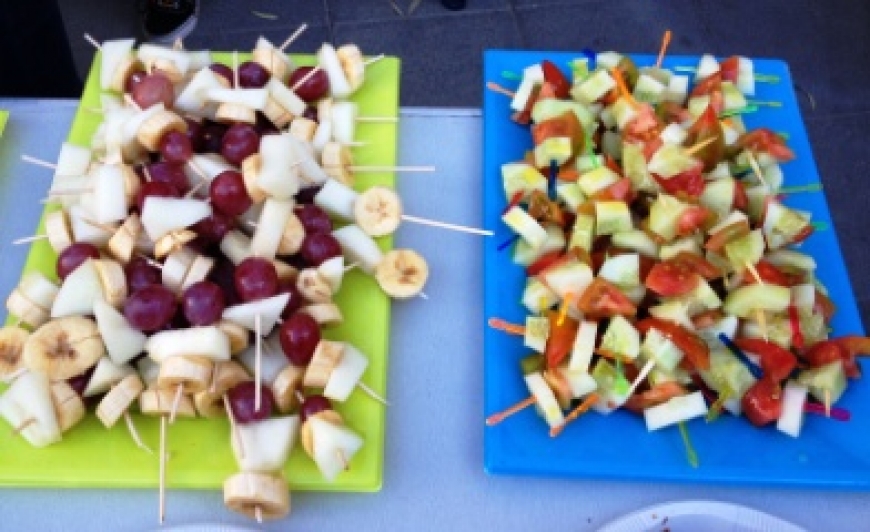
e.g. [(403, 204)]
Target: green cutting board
[(199, 449)]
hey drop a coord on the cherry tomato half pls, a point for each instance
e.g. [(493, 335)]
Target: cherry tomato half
[(671, 279), (604, 300), (554, 76), (693, 347), (776, 361), (763, 139), (762, 402)]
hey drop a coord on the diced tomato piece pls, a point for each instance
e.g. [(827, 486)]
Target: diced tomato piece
[(543, 262), (622, 190), (741, 199), (671, 112), (555, 77), (692, 219), (762, 402), (763, 139), (611, 163), (707, 85), (602, 299), (671, 279), (564, 125), (547, 92), (563, 332), (691, 182), (651, 147), (770, 274), (828, 351), (542, 208), (856, 345), (728, 233), (776, 361), (699, 264), (707, 318), (658, 394), (644, 127), (705, 128), (825, 306), (568, 175), (803, 235), (794, 322), (730, 69), (694, 347)]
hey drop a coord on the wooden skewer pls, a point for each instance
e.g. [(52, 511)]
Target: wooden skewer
[(175, 402), (371, 393), (827, 402), (504, 326), (258, 514), (756, 169), (162, 488), (700, 146), (495, 87), (68, 191), (28, 239), (495, 419), (295, 35), (373, 60), (38, 162), (94, 43), (196, 188), (409, 169), (134, 433), (305, 78), (577, 412), (351, 266), (233, 426), (623, 88), (666, 41), (258, 356), (453, 227)]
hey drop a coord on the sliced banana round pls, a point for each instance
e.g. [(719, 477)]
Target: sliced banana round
[(402, 273), (68, 405), (313, 286), (113, 280), (193, 373), (257, 495), (378, 211), (119, 399), (159, 402), (336, 160), (353, 65), (12, 340), (285, 387), (122, 244), (236, 334), (231, 113), (325, 314), (64, 347), (58, 230), (154, 127), (226, 374), (251, 167)]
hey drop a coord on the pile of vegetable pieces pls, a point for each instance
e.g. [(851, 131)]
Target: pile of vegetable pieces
[(662, 271)]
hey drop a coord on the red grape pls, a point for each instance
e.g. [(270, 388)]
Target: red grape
[(311, 114), (314, 219), (212, 134), (213, 229), (223, 71), (299, 336), (315, 88), (175, 147), (240, 141), (151, 308), (158, 189), (79, 383), (313, 405), (295, 301), (73, 256), (203, 303), (224, 274), (252, 75), (228, 193), (306, 195), (243, 400), (141, 274), (319, 247), (152, 89), (256, 278), (134, 79), (167, 172), (194, 135)]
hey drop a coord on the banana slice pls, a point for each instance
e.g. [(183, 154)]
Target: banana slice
[(167, 67), (172, 241), (58, 230), (303, 128), (251, 167), (114, 281), (123, 242), (12, 340), (236, 334), (126, 66), (32, 299), (336, 160), (64, 348), (378, 211), (159, 401), (198, 271), (307, 437), (353, 65), (118, 400), (231, 113), (68, 405), (154, 127), (402, 273), (313, 286), (326, 356), (325, 314), (272, 59), (257, 495), (226, 374), (292, 237), (193, 373), (276, 113), (284, 388)]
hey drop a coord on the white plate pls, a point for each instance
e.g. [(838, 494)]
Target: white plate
[(694, 516)]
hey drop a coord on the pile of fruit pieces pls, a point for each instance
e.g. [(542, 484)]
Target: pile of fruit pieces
[(662, 276), (198, 261)]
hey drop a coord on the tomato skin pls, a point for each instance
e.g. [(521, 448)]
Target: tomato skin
[(770, 274), (825, 306), (699, 264), (602, 299), (728, 233), (762, 402), (692, 219), (564, 125), (707, 318), (543, 262), (763, 139), (708, 127), (741, 199), (730, 69), (561, 338), (658, 394), (554, 76), (776, 361), (828, 351), (708, 85), (691, 182), (622, 190), (542, 208), (671, 112), (671, 279), (694, 348)]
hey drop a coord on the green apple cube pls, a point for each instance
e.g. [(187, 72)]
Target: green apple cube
[(596, 180), (677, 90), (584, 346), (611, 144), (675, 410), (658, 347), (537, 333), (537, 298), (791, 259), (791, 419), (803, 296), (621, 338), (587, 162), (744, 250), (718, 196), (622, 270), (525, 226), (674, 134), (664, 214), (570, 194), (606, 380), (608, 60), (581, 383), (612, 217), (745, 300), (521, 177), (623, 112), (636, 240), (553, 150), (673, 310), (707, 66), (746, 76), (827, 383), (634, 166), (524, 254), (697, 105), (583, 232), (545, 399), (648, 89), (685, 244), (733, 98), (782, 224), (548, 108), (532, 77), (722, 171), (568, 279), (595, 86)]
